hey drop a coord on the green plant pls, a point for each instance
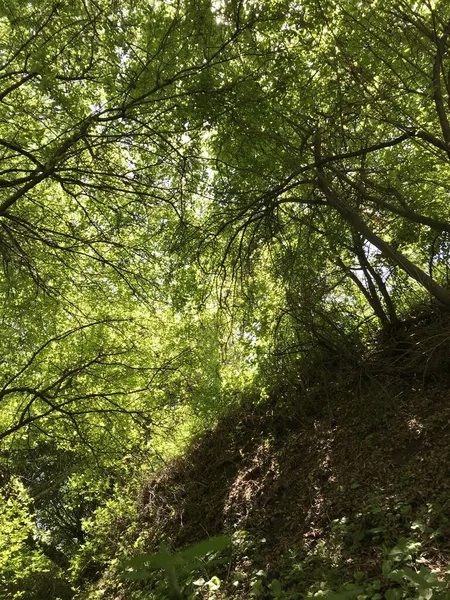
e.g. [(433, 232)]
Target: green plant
[(399, 568), (174, 564)]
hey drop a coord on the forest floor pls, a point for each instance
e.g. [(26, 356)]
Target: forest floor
[(341, 485)]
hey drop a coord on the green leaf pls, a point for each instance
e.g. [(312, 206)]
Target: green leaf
[(424, 578), (275, 588), (394, 594), (396, 575), (215, 544), (213, 584), (161, 560), (386, 568), (256, 588)]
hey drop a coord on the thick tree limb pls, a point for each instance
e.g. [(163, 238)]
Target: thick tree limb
[(387, 250)]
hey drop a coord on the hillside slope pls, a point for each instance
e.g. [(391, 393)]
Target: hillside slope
[(321, 486)]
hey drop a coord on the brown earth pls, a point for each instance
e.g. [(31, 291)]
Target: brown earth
[(366, 446)]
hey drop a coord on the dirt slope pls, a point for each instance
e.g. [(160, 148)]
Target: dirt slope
[(358, 460)]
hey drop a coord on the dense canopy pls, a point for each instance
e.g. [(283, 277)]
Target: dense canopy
[(198, 196)]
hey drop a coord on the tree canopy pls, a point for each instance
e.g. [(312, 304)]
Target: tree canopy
[(199, 195)]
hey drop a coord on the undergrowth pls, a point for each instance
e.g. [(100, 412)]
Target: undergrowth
[(336, 489), (204, 571)]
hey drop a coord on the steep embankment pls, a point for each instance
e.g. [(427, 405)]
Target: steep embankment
[(325, 481)]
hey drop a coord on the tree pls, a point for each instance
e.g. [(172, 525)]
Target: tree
[(190, 191), (349, 143), (97, 136)]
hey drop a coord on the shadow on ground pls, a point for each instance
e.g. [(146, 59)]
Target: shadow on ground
[(356, 461)]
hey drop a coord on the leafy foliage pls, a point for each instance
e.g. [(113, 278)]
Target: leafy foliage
[(197, 198), (25, 569)]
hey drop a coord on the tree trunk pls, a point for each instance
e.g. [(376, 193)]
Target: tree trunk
[(436, 290)]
